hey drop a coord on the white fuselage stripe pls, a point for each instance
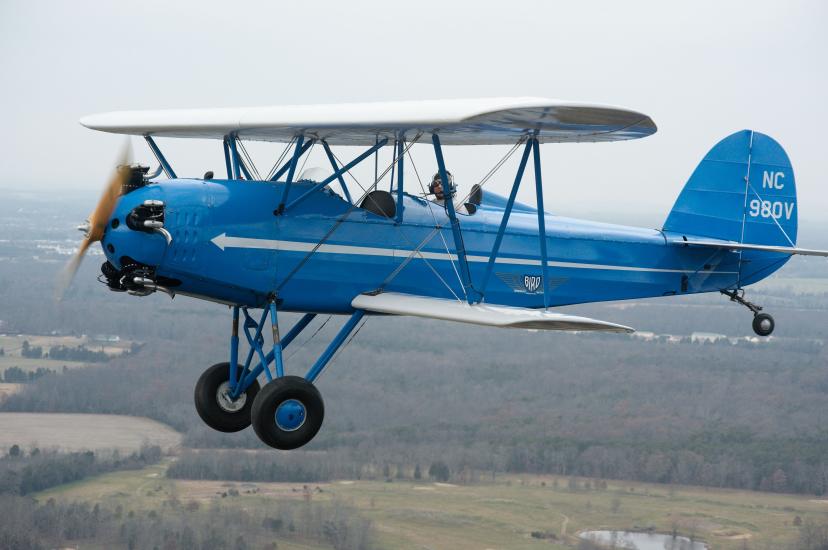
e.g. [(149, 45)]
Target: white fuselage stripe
[(223, 241)]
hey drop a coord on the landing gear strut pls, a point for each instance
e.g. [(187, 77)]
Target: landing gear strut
[(288, 411), (763, 323)]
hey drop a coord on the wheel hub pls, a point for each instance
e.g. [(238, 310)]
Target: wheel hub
[(765, 324), (290, 415), (225, 402)]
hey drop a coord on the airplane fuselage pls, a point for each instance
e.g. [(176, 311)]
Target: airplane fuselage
[(228, 245)]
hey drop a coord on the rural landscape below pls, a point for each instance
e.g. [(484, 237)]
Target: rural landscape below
[(691, 433)]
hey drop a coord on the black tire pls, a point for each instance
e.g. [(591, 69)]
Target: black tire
[(218, 413), (300, 427), (763, 324)]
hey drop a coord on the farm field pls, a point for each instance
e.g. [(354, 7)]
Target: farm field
[(13, 344), (75, 432), (30, 364), (499, 515)]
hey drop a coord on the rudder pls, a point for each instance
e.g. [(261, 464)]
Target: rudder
[(743, 191)]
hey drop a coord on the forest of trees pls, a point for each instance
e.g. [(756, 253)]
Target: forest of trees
[(261, 466), (65, 353), (178, 525), (714, 415), (77, 353), (18, 375), (299, 467), (22, 473)]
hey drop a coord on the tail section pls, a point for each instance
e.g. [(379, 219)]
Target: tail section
[(742, 191)]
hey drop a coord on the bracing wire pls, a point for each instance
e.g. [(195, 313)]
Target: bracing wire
[(250, 164), (483, 182), (345, 345), (410, 242), (338, 223), (416, 250), (430, 205), (405, 262), (498, 165), (279, 160), (305, 160), (312, 336)]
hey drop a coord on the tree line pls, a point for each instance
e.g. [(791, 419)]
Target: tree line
[(65, 353), (269, 466), (22, 474), (178, 525), (18, 375)]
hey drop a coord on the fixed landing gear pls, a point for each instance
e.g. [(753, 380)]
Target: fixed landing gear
[(763, 323), (215, 404), (287, 412)]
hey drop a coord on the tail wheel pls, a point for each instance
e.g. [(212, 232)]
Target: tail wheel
[(213, 402), (763, 324), (287, 413)]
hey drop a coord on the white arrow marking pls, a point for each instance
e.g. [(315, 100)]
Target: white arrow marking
[(223, 241)]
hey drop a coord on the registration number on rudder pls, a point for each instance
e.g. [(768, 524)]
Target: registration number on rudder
[(771, 209)]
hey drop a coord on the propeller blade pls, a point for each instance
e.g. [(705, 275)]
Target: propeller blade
[(98, 219), (68, 273), (109, 197)]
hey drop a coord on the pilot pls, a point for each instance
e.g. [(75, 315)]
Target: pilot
[(436, 188)]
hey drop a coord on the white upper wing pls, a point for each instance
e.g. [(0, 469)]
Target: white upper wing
[(457, 121)]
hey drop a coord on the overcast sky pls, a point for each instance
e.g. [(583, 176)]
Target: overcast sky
[(701, 70)]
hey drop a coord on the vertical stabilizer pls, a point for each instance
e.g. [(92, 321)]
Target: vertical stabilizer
[(743, 191)]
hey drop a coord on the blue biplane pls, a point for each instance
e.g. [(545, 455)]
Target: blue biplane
[(302, 242)]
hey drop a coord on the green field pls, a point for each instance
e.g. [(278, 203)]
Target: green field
[(499, 515), (30, 364)]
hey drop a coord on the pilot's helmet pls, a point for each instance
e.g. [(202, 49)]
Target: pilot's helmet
[(452, 188)]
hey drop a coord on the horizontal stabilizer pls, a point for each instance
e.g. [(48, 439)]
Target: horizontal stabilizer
[(729, 245), (479, 314)]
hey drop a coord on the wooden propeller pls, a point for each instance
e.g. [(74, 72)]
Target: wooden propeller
[(95, 224)]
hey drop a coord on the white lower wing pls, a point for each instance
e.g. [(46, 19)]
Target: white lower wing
[(479, 314), (766, 248)]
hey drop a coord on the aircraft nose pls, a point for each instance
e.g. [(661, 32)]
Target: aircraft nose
[(136, 232), (135, 242)]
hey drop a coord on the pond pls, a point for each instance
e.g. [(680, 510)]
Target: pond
[(641, 541)]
